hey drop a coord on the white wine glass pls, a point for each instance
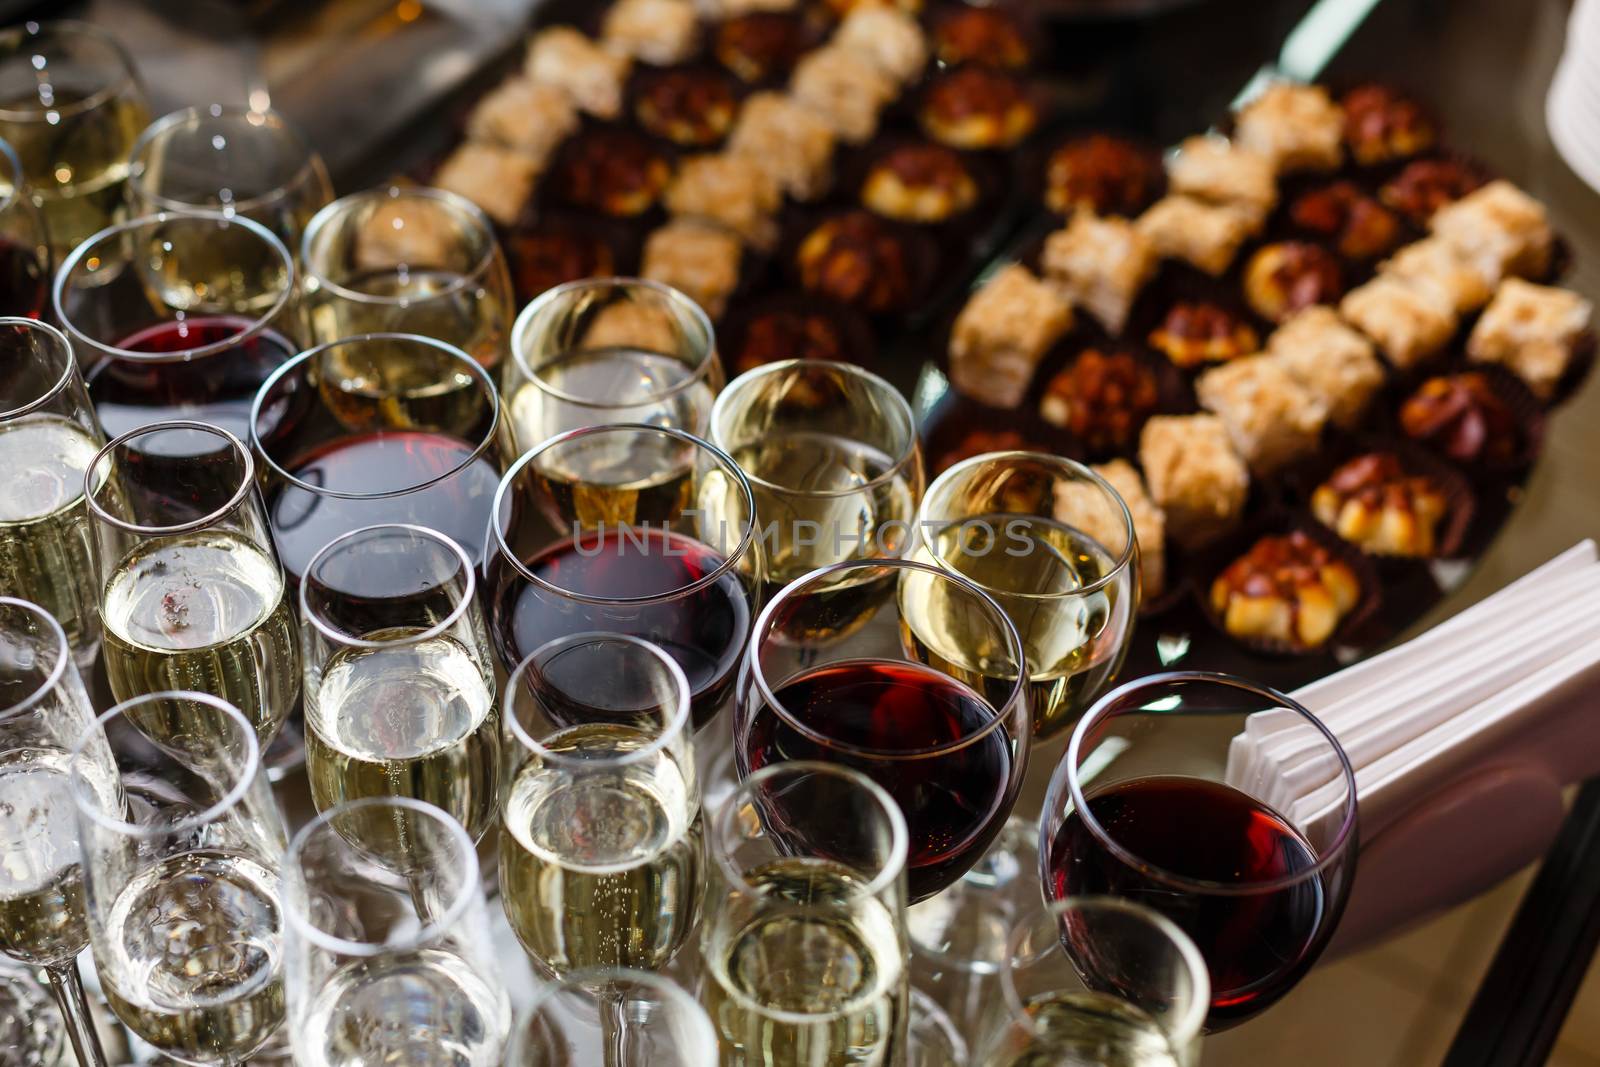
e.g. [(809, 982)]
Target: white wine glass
[(182, 882), (388, 957), (569, 1022), (24, 245)]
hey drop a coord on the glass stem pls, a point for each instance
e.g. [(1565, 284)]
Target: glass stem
[(614, 1030), (67, 985)]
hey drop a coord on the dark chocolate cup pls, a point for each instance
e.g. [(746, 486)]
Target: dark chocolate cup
[(1174, 395), (619, 240), (924, 258), (860, 344), (1525, 410), (1033, 164)]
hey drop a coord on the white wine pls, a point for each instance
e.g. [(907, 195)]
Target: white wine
[(44, 527), (190, 957), (402, 385), (633, 386), (602, 869), (41, 873), (205, 612), (811, 972), (417, 720), (442, 304), (424, 1007), (1085, 1030)]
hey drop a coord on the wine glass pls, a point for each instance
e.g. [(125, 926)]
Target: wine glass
[(182, 882), (1053, 543), (48, 436), (408, 260), (24, 247), (382, 428), (179, 315), (832, 455), (71, 106), (804, 940), (601, 849), (609, 350), (1153, 803), (399, 679), (240, 161), (1099, 980), (945, 733), (573, 1020), (44, 711), (191, 593), (387, 951)]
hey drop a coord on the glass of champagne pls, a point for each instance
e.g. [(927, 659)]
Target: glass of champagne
[(387, 950), (44, 712), (399, 679), (609, 350), (71, 106), (48, 437), (601, 848), (408, 260), (179, 315), (804, 941), (236, 160), (832, 455), (24, 247), (191, 593), (182, 881), (572, 1020)]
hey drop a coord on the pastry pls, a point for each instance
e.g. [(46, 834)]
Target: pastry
[(1102, 399), (1499, 229), (1149, 524), (857, 259), (653, 31), (1107, 175), (1099, 264), (785, 333), (845, 88), (1336, 364), (1193, 333), (888, 37), (788, 141), (1357, 225), (546, 256), (1434, 265), (615, 172), (499, 180), (1373, 503), (967, 34), (730, 190), (1426, 185), (1214, 170), (699, 258), (1298, 127), (1205, 235), (691, 107), (1271, 418), (1287, 589), (1194, 474), (1411, 324), (759, 47), (1001, 335), (974, 107), (1381, 125), (919, 182), (520, 114), (1283, 277), (1532, 330), (1464, 417), (591, 75)]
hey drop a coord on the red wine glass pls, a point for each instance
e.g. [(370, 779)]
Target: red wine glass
[(1159, 801), (24, 246), (947, 738)]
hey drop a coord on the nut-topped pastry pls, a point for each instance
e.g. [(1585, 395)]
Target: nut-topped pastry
[(1464, 417), (1371, 501), (977, 442), (1102, 398), (1196, 332), (1337, 364), (652, 31), (1271, 418), (1532, 330), (1107, 175), (545, 256), (732, 9), (790, 333), (498, 179), (587, 72), (843, 8), (1382, 124), (1194, 474), (761, 46), (730, 190), (1499, 229), (1298, 127), (1288, 589), (519, 114), (1218, 171), (1205, 235), (888, 37), (1283, 277), (1356, 224), (919, 182), (1426, 185), (1001, 335), (699, 258), (612, 171), (688, 106), (1099, 264), (1436, 266), (1410, 323), (845, 88), (967, 34), (974, 107), (788, 141), (1080, 504), (857, 259)]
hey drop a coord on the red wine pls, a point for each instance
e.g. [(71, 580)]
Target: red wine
[(1255, 945), (383, 462), (704, 631), (24, 281), (954, 802)]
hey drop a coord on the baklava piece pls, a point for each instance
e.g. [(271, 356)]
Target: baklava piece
[(1272, 419), (1205, 235), (1102, 399), (545, 257), (1374, 504), (1108, 175), (844, 88), (1533, 330), (588, 73), (888, 37), (499, 180), (760, 47), (792, 144), (1283, 277), (975, 107), (406, 233), (984, 35), (1500, 230), (1382, 125), (612, 171), (630, 324), (1298, 127), (730, 190), (784, 333), (731, 9), (842, 8), (1411, 324), (1217, 171), (1288, 589), (919, 183), (1194, 475), (1464, 417), (1099, 264), (690, 107), (1083, 506), (700, 259), (1001, 335), (1426, 185), (533, 119), (652, 31), (1436, 266), (1195, 332), (1335, 363), (1355, 224), (857, 259)]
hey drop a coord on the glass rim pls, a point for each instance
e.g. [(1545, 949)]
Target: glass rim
[(893, 868), (703, 582), (246, 483), (677, 725), (347, 203), (1061, 463), (69, 363), (676, 297), (300, 359), (1015, 703), (55, 674), (126, 77), (1067, 773), (455, 615), (250, 772), (258, 322), (428, 931), (907, 454), (588, 979), (311, 167), (1189, 1026)]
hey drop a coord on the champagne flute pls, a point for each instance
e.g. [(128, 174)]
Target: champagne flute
[(387, 953), (567, 1023), (24, 247), (182, 882), (399, 679), (44, 711), (191, 593), (48, 436)]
